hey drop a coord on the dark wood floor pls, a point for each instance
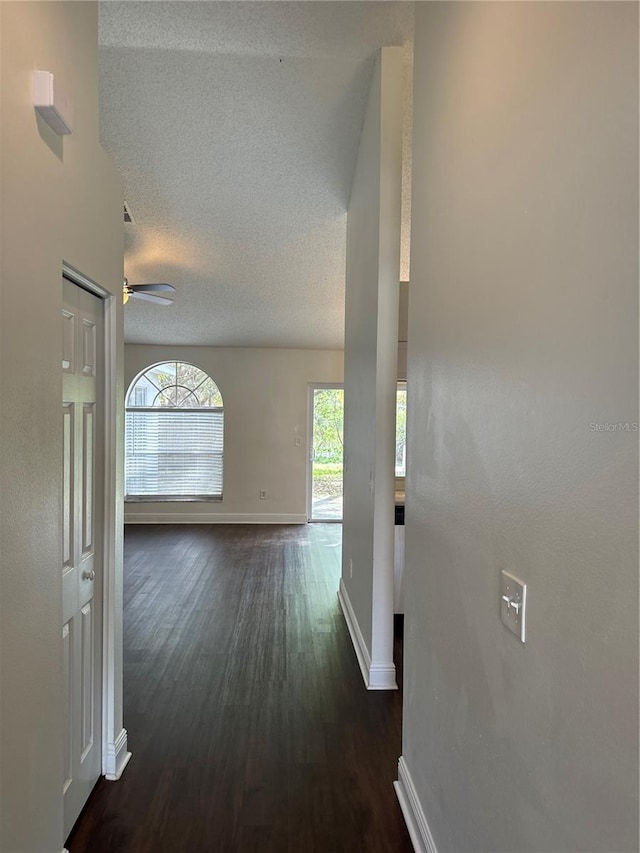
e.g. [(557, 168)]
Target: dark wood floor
[(247, 716)]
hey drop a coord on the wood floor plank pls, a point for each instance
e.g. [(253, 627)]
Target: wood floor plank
[(247, 717)]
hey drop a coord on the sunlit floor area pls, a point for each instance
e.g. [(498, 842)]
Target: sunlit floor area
[(249, 723), (327, 508)]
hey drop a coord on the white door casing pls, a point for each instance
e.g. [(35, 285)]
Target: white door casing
[(313, 387), (82, 564)]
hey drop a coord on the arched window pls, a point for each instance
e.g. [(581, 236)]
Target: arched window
[(174, 435)]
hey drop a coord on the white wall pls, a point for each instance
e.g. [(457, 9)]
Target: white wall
[(265, 394), (61, 200), (523, 331), (371, 348)]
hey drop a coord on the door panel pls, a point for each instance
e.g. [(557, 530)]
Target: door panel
[(68, 700), (68, 340), (86, 691), (67, 487), (89, 347), (82, 487), (87, 479)]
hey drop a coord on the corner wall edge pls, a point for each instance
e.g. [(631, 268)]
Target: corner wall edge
[(412, 811)]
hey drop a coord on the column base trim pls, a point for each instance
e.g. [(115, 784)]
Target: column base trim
[(376, 676)]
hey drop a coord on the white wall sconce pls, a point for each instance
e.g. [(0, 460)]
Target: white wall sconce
[(51, 103)]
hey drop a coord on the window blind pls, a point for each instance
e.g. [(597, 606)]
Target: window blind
[(174, 452)]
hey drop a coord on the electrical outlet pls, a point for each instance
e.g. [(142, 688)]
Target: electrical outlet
[(263, 494)]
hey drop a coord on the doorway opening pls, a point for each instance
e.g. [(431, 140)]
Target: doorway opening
[(326, 453)]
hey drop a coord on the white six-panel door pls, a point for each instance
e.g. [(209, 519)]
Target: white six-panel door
[(82, 490)]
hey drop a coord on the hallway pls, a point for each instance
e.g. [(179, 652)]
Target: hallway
[(247, 717)]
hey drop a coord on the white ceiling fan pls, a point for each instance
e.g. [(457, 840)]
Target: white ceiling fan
[(148, 292)]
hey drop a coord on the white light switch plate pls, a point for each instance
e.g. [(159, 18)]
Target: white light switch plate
[(513, 603)]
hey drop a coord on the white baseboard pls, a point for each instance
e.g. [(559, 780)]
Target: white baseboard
[(214, 518), (376, 676), (414, 816), (117, 757), (362, 652)]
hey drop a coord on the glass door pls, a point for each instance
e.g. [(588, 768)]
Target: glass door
[(327, 419)]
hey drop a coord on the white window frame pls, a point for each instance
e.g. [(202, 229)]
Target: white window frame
[(205, 411)]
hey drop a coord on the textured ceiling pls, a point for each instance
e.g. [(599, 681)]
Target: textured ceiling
[(235, 126)]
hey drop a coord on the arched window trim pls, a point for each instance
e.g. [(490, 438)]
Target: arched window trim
[(173, 448), (161, 389)]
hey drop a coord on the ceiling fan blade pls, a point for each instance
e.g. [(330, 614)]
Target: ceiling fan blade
[(149, 297), (144, 287)]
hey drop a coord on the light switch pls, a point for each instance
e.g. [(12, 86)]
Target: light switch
[(513, 603)]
